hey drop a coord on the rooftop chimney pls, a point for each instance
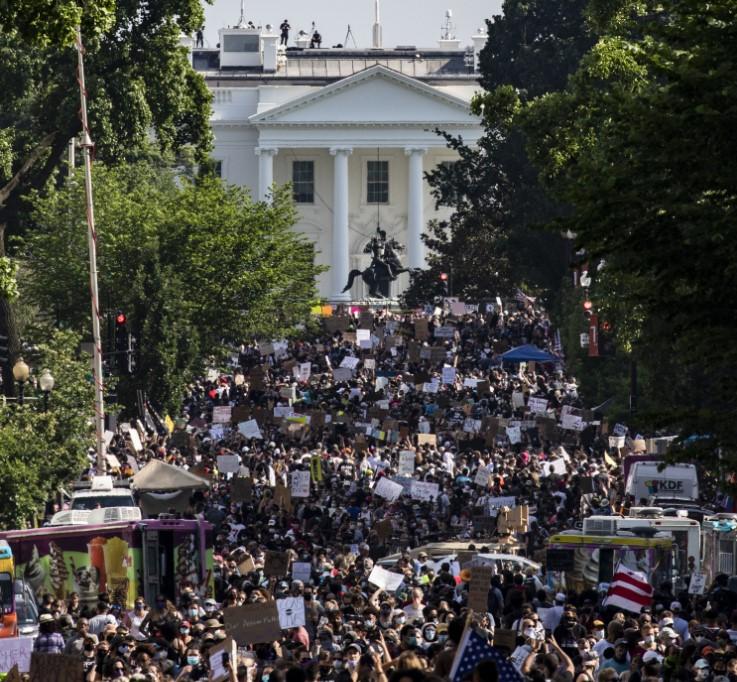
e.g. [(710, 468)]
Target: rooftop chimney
[(479, 41), (377, 43)]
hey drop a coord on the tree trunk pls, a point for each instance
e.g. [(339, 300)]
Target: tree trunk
[(8, 329)]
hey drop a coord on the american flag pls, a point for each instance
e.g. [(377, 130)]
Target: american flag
[(472, 650), (523, 298), (557, 345), (629, 590)]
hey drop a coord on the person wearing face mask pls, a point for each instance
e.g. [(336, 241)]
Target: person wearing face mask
[(194, 667), (352, 656), (134, 618), (408, 638)]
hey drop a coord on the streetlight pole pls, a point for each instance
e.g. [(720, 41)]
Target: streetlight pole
[(97, 378)]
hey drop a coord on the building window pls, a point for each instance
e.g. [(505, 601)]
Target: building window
[(217, 168), (377, 182), (303, 181)]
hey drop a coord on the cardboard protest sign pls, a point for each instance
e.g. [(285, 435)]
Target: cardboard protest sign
[(448, 375), (406, 463), (221, 414), (240, 413), (366, 320), (302, 570), (505, 638), (135, 440), (586, 484), (514, 434), (386, 580), (56, 667), (438, 354), (388, 489), (246, 566), (300, 483), (363, 336), (253, 623), (276, 564), (483, 476), (478, 589), (422, 332), (241, 489), (499, 502), (291, 612), (338, 323), (421, 490), (384, 529), (229, 464), (16, 651), (250, 429), (427, 439), (483, 387), (341, 374), (218, 655), (616, 442), (697, 585), (350, 362)]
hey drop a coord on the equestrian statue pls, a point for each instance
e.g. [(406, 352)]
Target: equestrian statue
[(385, 265)]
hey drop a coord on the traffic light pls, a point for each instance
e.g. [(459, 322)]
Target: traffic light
[(122, 343), (444, 283), (588, 309)]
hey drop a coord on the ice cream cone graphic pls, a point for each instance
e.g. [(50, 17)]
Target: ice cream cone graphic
[(115, 554), (97, 559)]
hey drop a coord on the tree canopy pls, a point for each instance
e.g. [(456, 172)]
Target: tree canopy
[(640, 145), (195, 264)]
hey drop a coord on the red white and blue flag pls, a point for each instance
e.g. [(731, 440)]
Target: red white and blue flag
[(474, 649), (629, 590)]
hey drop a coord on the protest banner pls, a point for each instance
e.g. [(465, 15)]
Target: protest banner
[(571, 422), (15, 651), (300, 483), (221, 414), (445, 332), (349, 362), (427, 439), (341, 374), (514, 434), (697, 584), (538, 405), (229, 464), (496, 503), (291, 612), (556, 466), (388, 489), (386, 580), (56, 667), (253, 623), (448, 375), (276, 564), (406, 463), (483, 476), (616, 442)]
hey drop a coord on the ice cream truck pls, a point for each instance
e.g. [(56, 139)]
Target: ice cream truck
[(125, 558)]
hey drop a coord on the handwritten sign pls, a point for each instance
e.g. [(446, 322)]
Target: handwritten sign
[(386, 580), (221, 414), (406, 463), (300, 483), (478, 590), (276, 564), (250, 429), (514, 434), (423, 491), (302, 570), (15, 651), (253, 623), (538, 405), (229, 464)]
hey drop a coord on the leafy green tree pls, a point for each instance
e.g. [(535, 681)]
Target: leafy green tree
[(640, 145), (195, 264), (489, 242), (139, 81), (43, 450)]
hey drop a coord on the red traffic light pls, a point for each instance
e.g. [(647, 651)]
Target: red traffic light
[(120, 319), (587, 305), (443, 276)]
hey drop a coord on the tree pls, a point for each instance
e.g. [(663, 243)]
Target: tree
[(43, 450), (640, 145), (195, 264), (139, 81), (489, 242)]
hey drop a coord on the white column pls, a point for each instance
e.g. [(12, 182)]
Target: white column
[(340, 258), (265, 171), (415, 214)]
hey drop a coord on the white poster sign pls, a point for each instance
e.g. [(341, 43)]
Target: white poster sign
[(291, 612), (538, 405), (616, 441), (300, 483), (499, 502), (350, 362), (406, 463), (221, 414), (228, 464), (15, 651), (250, 429), (302, 570), (557, 466), (514, 434), (388, 489), (420, 490), (482, 476), (386, 580), (135, 440), (697, 584), (449, 375), (572, 422), (341, 374)]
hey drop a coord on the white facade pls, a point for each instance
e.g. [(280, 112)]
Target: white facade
[(341, 127)]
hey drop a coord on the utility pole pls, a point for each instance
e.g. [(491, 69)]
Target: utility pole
[(97, 376)]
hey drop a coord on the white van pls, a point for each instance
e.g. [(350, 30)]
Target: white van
[(646, 483)]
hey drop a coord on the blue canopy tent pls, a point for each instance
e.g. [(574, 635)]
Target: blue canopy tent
[(528, 353)]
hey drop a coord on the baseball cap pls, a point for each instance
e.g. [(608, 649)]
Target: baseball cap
[(701, 663), (675, 606), (651, 656)]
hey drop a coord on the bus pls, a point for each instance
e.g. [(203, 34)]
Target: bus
[(9, 624), (577, 561)]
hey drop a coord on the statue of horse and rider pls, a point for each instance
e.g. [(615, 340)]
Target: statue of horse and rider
[(385, 266)]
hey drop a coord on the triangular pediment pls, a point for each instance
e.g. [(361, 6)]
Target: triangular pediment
[(376, 95)]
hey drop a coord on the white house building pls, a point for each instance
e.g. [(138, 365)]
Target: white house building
[(353, 130)]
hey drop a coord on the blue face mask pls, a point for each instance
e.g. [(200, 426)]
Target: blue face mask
[(193, 660), (265, 678)]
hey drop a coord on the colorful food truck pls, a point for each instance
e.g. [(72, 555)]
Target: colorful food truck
[(9, 622), (126, 559)]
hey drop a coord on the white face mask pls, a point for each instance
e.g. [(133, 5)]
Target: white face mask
[(599, 634), (530, 633), (649, 639)]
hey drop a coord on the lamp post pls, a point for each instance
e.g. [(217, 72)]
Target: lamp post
[(21, 372), (46, 382)]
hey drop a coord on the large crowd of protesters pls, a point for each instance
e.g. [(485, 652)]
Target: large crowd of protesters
[(400, 396)]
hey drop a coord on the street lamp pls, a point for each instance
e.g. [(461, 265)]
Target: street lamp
[(46, 382), (21, 372)]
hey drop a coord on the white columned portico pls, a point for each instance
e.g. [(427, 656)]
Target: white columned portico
[(415, 214), (265, 170), (340, 261)]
